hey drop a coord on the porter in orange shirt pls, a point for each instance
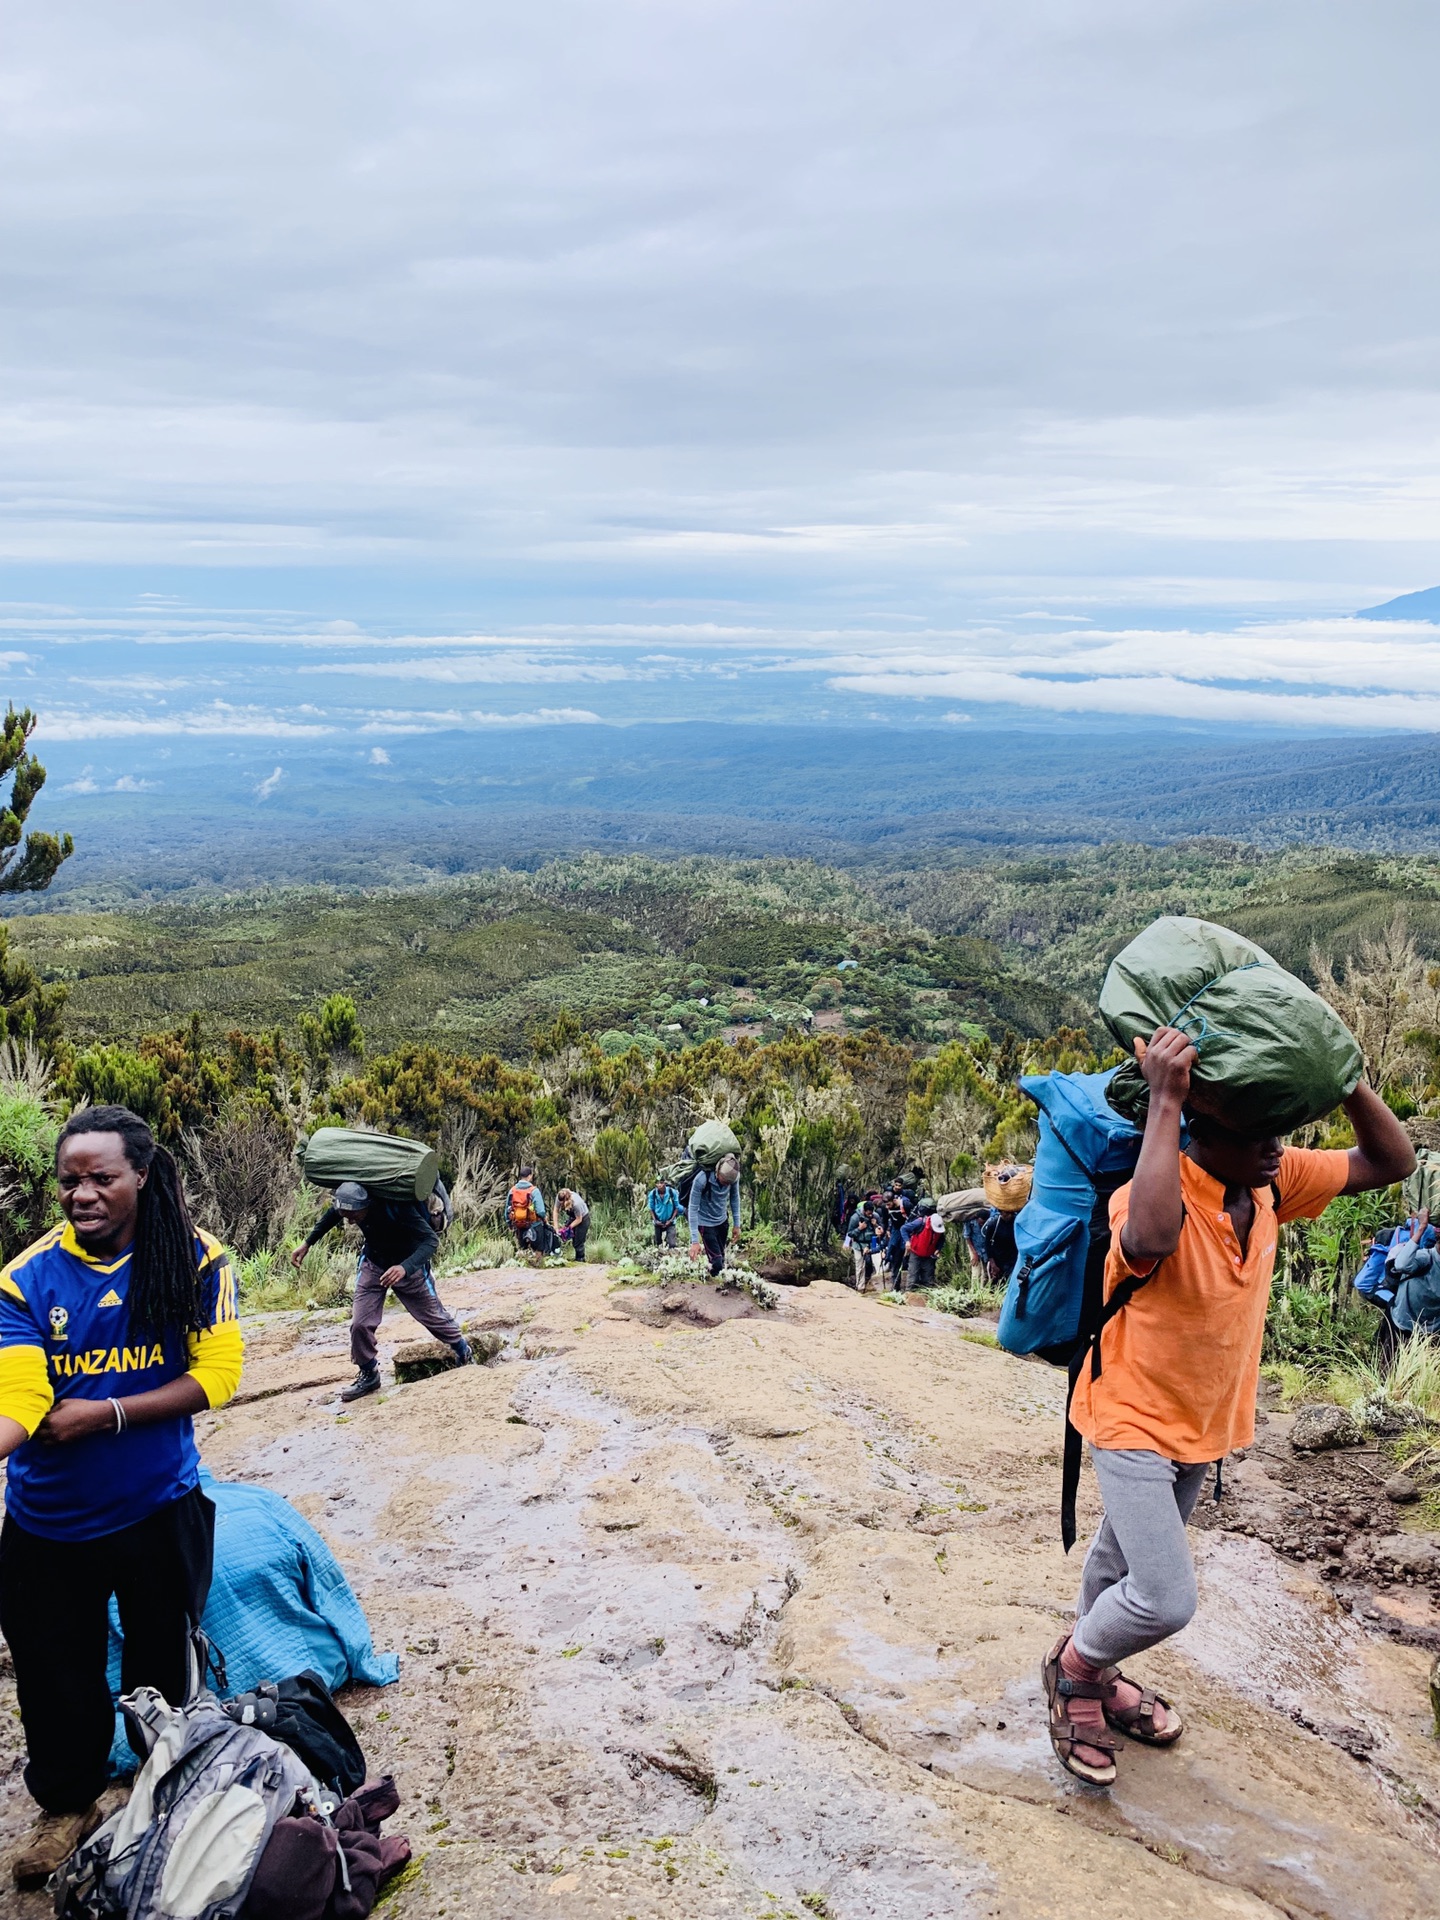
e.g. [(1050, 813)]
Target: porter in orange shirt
[(1208, 1298), (1180, 1362)]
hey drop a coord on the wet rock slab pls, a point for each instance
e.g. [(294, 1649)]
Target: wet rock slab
[(744, 1619)]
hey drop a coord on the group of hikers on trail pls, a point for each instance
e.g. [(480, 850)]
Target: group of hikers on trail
[(534, 1233), (120, 1324), (706, 1193), (892, 1235), (117, 1327)]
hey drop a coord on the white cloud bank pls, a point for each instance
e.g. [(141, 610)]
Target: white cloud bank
[(219, 719), (1338, 673), (1357, 674)]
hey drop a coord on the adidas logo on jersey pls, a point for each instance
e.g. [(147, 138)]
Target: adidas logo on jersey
[(110, 1299)]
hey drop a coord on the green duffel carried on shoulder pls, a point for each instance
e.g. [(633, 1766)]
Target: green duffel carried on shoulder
[(1273, 1055), (394, 1168), (1422, 1189)]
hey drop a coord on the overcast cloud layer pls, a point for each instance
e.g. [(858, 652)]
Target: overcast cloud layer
[(1077, 355)]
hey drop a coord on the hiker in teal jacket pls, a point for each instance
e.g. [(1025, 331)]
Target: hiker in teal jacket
[(663, 1201), (714, 1205)]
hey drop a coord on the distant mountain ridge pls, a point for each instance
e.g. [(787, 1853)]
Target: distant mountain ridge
[(1424, 605)]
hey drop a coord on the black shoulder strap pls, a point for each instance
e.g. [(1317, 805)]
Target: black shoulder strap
[(1089, 1344)]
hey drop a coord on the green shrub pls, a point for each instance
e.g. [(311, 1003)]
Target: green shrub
[(965, 1299), (27, 1186), (1315, 1319), (1309, 1327)]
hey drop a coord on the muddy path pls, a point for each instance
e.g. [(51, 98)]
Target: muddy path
[(745, 1619)]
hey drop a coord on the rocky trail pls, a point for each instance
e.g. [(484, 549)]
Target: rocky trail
[(711, 1613)]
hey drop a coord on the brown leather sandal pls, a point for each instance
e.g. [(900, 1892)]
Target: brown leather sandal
[(1139, 1721), (1065, 1736)]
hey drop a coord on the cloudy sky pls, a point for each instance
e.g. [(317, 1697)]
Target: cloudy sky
[(373, 368)]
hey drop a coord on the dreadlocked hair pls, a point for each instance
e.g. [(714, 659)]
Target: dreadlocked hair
[(164, 1272)]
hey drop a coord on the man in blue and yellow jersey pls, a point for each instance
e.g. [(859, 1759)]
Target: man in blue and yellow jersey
[(116, 1328)]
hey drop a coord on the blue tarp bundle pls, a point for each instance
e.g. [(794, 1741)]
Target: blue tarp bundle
[(278, 1604)]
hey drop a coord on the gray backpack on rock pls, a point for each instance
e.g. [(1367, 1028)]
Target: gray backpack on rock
[(203, 1806)]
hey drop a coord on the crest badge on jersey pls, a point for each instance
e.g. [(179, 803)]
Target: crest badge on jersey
[(59, 1321)]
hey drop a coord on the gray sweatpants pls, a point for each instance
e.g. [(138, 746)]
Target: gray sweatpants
[(919, 1271), (416, 1294), (1138, 1585)]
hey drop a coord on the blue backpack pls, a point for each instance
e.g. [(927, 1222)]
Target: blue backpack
[(1054, 1305), (1062, 1233)]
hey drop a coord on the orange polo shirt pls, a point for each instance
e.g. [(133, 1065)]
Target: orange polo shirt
[(1180, 1363)]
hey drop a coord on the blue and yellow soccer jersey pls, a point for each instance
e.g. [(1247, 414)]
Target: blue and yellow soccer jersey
[(64, 1331)]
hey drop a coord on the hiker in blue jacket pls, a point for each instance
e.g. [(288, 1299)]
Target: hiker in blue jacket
[(863, 1240), (1401, 1275), (663, 1202), (714, 1206), (897, 1213)]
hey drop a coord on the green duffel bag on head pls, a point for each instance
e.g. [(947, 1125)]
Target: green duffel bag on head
[(710, 1142), (395, 1169), (1273, 1056)]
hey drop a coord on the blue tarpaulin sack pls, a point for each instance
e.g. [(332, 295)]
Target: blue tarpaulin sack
[(1062, 1233)]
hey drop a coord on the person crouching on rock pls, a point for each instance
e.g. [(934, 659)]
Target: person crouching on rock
[(116, 1328), (398, 1244), (1193, 1239), (714, 1205)]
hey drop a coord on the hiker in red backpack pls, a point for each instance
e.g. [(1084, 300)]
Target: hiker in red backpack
[(924, 1236), (525, 1211), (1193, 1249)]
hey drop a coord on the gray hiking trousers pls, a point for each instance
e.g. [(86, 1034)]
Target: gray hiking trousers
[(416, 1294), (1138, 1586)]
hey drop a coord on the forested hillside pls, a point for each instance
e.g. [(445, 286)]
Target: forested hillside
[(669, 953), (633, 948)]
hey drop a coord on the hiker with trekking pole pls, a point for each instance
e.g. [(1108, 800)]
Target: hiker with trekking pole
[(1166, 1384)]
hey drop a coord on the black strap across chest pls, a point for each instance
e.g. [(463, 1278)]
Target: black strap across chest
[(1088, 1345)]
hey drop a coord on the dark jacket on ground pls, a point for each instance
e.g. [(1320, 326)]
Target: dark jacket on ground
[(397, 1233)]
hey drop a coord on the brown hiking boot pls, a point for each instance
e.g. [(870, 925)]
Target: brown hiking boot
[(52, 1840)]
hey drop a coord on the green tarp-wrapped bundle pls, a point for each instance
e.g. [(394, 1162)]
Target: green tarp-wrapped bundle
[(710, 1142), (1422, 1189), (1273, 1055), (393, 1168)]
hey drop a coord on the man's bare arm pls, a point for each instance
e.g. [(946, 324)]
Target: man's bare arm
[(1382, 1153), (1157, 1213)]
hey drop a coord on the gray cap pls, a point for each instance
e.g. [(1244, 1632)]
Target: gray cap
[(351, 1197)]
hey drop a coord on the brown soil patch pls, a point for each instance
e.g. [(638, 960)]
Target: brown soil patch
[(696, 1305)]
